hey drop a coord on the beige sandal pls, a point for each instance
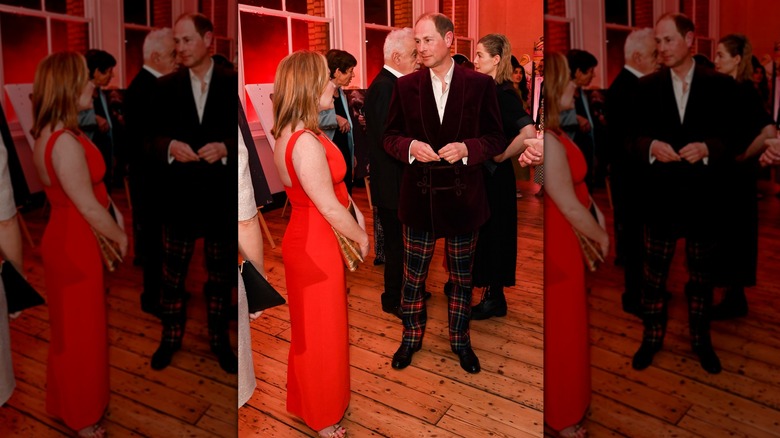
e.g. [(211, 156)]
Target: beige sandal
[(94, 431), (336, 431)]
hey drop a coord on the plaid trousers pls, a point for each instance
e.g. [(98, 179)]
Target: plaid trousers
[(700, 256), (220, 255), (418, 251)]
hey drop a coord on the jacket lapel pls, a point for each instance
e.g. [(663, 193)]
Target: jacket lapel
[(453, 111), (428, 110)]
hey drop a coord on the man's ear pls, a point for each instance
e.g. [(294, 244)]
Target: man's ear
[(208, 38), (689, 38), (449, 38)]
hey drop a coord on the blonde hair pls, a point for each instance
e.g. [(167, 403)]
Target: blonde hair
[(59, 80), (498, 44), (556, 79), (300, 80)]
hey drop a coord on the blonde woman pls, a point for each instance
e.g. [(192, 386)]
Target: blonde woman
[(312, 171), (71, 169)]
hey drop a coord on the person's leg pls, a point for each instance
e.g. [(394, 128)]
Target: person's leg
[(700, 254), (394, 259), (659, 251), (177, 253), (220, 264), (460, 255)]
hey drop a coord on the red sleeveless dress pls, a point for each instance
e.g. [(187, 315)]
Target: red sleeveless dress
[(318, 366), (77, 388), (566, 339)]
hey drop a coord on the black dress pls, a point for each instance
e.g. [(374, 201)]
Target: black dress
[(341, 139), (740, 244), (495, 260)]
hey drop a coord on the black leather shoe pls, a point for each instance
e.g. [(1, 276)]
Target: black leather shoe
[(162, 357), (227, 359), (395, 310), (448, 289), (708, 359), (644, 356), (469, 360), (403, 357), (632, 303), (493, 303), (734, 305)]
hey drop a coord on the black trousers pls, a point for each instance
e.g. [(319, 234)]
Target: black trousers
[(394, 256)]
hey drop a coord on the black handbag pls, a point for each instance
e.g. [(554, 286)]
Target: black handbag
[(19, 294), (260, 295)]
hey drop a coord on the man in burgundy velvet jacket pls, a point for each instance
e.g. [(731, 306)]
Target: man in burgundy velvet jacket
[(443, 123)]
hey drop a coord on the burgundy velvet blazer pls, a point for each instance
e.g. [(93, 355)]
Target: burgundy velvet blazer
[(439, 197)]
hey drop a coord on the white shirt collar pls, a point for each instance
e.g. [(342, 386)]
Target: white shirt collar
[(447, 77), (395, 72), (207, 77), (688, 76), (634, 71), (154, 72)]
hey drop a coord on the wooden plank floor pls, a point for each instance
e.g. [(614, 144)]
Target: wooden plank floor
[(675, 397), (193, 397), (434, 396)]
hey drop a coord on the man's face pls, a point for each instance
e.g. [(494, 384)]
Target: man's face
[(646, 59), (192, 48), (433, 49), (406, 62), (583, 79), (673, 48), (102, 79)]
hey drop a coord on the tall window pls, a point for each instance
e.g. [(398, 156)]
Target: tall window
[(220, 11), (458, 11), (621, 18), (557, 26), (699, 12), (381, 17), (32, 29), (141, 16), (268, 35)]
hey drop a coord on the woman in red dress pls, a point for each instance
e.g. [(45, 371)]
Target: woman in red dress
[(71, 169), (312, 170), (566, 340)]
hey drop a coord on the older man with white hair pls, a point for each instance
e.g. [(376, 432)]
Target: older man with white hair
[(159, 59), (400, 53), (640, 59)]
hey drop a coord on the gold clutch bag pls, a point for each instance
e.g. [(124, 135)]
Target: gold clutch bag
[(350, 251), (109, 251), (591, 251)]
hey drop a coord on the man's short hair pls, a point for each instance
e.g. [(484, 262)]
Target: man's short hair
[(581, 60), (395, 41), (636, 40), (98, 60), (201, 22), (442, 22), (681, 21)]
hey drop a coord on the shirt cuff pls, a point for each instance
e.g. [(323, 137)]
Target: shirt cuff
[(650, 152), (224, 160), (411, 158), (170, 157)]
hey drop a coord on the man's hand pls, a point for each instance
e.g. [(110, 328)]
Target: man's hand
[(102, 124), (533, 155), (213, 152), (182, 152), (663, 152), (584, 123), (771, 156), (423, 152), (343, 124), (454, 152), (693, 152)]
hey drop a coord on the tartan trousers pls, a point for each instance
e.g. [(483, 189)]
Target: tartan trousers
[(700, 255), (418, 251), (220, 257)]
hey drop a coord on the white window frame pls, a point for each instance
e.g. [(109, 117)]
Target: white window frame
[(48, 16)]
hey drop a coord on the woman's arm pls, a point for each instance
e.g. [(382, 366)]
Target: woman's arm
[(250, 242), (559, 187), (311, 167), (70, 166), (518, 144), (11, 242), (758, 145)]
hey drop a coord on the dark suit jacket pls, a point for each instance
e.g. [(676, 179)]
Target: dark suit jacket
[(443, 198), (199, 196), (682, 194), (139, 116), (385, 170), (620, 110)]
